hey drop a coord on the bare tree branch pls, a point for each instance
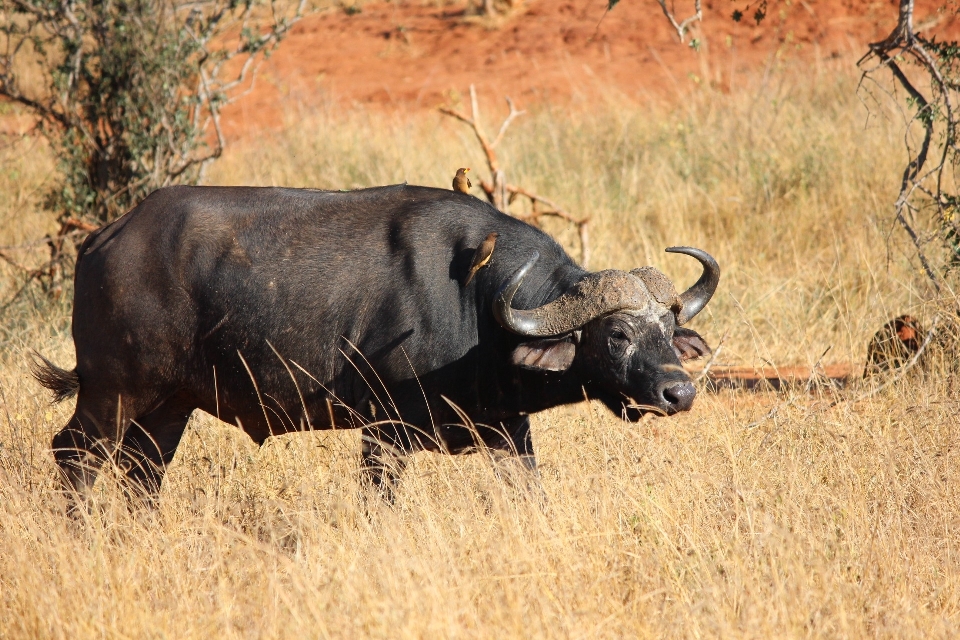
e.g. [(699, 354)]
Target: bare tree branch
[(501, 194), (473, 123), (506, 123), (681, 28), (933, 108)]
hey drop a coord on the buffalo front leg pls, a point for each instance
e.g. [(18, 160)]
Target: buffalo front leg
[(382, 462), (151, 442), (513, 456)]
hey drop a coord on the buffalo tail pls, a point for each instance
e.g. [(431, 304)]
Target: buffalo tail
[(63, 383)]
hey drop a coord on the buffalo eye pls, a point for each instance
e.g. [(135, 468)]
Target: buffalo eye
[(617, 342)]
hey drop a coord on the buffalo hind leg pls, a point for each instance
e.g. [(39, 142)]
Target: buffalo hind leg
[(151, 442), (79, 454), (87, 442), (381, 464)]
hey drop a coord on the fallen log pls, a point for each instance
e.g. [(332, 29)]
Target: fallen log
[(835, 376)]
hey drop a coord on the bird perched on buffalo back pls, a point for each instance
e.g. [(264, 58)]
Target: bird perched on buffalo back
[(461, 182), (481, 257)]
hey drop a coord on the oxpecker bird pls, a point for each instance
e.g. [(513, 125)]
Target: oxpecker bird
[(461, 182), (482, 255)]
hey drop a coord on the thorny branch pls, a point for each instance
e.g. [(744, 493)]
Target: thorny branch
[(499, 192), (932, 109), (50, 271)]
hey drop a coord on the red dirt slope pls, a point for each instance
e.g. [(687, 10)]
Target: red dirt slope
[(411, 54)]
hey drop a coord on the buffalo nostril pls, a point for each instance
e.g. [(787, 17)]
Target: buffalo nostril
[(678, 396)]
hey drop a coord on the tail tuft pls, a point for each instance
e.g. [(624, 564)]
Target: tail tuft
[(63, 383)]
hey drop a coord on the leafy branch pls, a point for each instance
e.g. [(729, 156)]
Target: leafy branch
[(130, 92)]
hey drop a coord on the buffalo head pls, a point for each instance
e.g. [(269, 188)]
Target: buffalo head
[(622, 332)]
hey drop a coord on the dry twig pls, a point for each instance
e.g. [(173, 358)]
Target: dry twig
[(499, 192), (682, 27), (51, 271), (713, 356)]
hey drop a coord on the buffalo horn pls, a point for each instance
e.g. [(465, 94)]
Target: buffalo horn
[(594, 295), (696, 297), (509, 318)]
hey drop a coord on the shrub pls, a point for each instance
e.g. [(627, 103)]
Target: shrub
[(129, 92)]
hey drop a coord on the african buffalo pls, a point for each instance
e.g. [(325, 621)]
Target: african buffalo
[(290, 309)]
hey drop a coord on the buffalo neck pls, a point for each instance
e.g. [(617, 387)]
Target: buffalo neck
[(522, 391)]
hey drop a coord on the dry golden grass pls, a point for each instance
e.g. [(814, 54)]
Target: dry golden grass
[(820, 522)]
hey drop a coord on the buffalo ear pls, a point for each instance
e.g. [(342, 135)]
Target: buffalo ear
[(544, 355), (688, 344)]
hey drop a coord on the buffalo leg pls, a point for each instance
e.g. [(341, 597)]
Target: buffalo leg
[(88, 440), (381, 463), (513, 455), (79, 454), (151, 442)]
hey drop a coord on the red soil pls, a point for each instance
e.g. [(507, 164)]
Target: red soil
[(413, 54)]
